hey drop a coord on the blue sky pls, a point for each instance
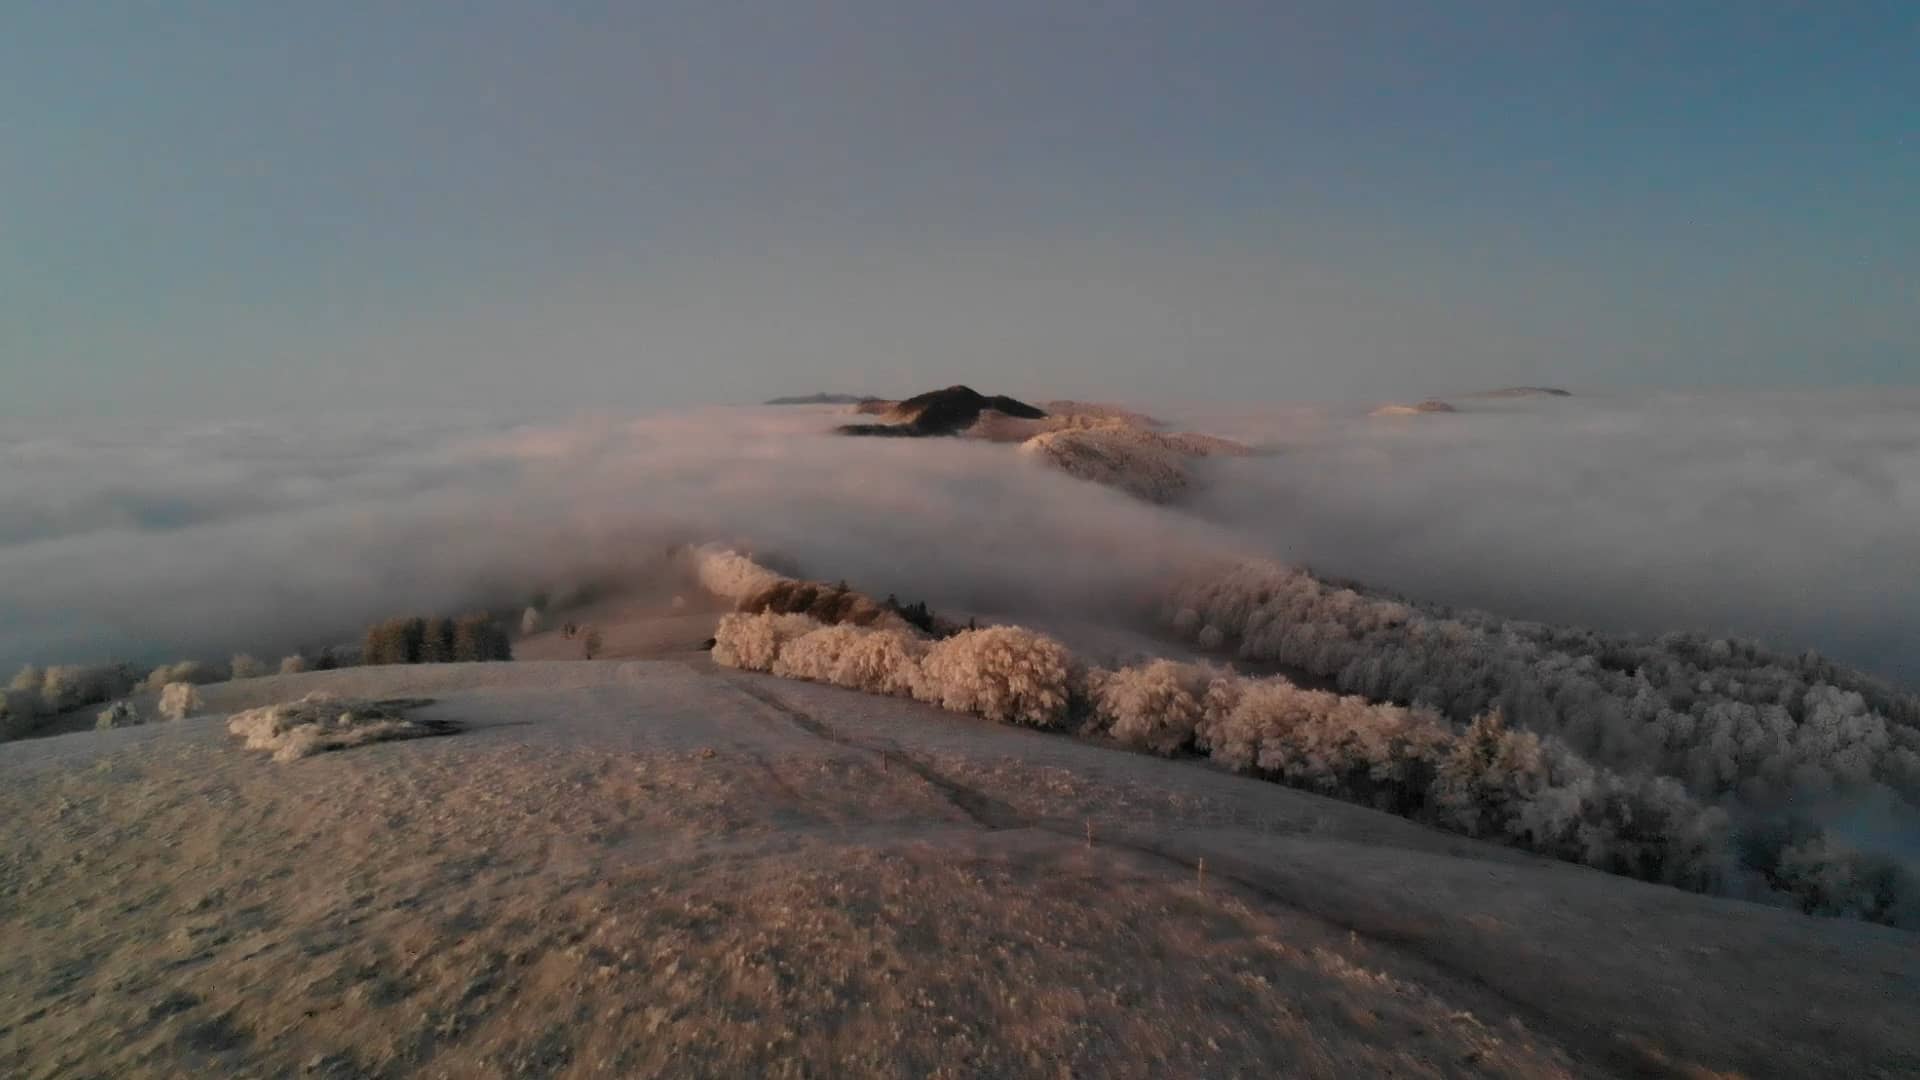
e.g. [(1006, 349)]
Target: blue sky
[(216, 208)]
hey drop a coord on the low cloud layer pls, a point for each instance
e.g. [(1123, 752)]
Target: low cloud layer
[(152, 545), (1794, 518)]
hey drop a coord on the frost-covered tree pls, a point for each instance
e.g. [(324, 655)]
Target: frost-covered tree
[(479, 637), (197, 672), (730, 575), (70, 686), (1003, 673), (436, 640), (180, 700), (1485, 778), (1725, 718), (117, 715), (1160, 707), (752, 642), (20, 712)]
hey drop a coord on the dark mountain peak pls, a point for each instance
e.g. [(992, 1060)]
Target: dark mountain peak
[(1524, 392), (943, 412)]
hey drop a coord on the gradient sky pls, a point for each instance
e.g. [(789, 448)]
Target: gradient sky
[(214, 208)]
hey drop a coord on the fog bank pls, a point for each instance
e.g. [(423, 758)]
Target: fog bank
[(1795, 518)]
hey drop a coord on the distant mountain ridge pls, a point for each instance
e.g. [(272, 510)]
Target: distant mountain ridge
[(824, 399), (1523, 391), (1431, 405)]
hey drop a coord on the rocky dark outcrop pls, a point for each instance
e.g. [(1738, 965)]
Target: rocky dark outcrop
[(1524, 392), (941, 412)]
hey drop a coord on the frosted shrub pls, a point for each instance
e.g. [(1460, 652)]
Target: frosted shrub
[(1377, 754), (1538, 794), (1840, 735), (814, 654), (21, 704), (880, 662), (753, 642), (1569, 744), (731, 575), (1826, 878), (479, 638), (295, 664), (830, 604), (530, 622), (1223, 696), (1393, 753), (1236, 734), (244, 666), (874, 660), (1158, 707), (754, 589), (1490, 773), (179, 701), (20, 712), (436, 640), (318, 722), (118, 715), (1724, 718), (186, 671), (69, 686), (1003, 673), (1652, 829)]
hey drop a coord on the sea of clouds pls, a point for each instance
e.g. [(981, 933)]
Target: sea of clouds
[(1790, 517)]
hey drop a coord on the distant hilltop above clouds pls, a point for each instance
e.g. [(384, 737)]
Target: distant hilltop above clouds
[(822, 399)]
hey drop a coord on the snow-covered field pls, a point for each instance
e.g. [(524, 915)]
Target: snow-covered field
[(659, 867)]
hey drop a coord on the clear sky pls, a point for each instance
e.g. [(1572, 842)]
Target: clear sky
[(223, 207)]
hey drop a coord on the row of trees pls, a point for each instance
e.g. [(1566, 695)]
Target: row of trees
[(36, 695), (436, 640), (1485, 778), (1727, 718)]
